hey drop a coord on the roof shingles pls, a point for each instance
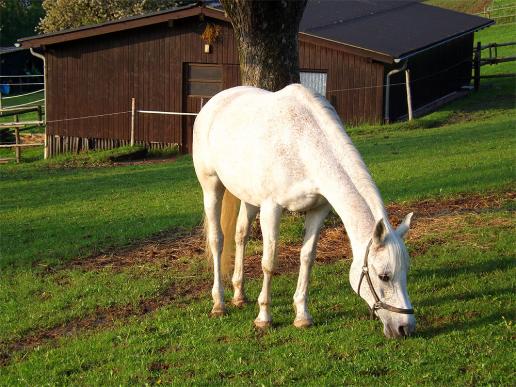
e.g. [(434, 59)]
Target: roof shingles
[(393, 27)]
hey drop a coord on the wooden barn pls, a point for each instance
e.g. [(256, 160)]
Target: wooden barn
[(174, 60)]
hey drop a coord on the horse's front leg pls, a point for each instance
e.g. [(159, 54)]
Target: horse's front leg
[(270, 215), (313, 222), (245, 218)]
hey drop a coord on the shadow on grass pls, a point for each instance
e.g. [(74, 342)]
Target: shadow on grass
[(455, 315), (495, 264), (464, 297), (447, 324)]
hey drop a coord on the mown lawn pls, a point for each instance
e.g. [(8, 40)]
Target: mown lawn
[(69, 324), (462, 290)]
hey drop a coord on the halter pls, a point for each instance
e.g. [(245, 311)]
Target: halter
[(378, 304)]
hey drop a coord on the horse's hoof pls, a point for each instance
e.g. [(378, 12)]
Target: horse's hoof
[(303, 323), (218, 311), (262, 324), (239, 302)]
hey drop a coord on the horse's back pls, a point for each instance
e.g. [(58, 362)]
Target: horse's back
[(251, 117), (208, 120)]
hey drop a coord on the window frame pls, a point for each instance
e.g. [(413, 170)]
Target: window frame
[(316, 71), (190, 81)]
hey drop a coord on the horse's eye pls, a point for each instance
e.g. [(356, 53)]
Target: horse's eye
[(384, 277)]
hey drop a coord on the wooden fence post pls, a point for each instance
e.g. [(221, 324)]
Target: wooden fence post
[(17, 150), (478, 55), (133, 111), (409, 95)]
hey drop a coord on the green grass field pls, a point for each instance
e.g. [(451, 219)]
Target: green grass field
[(502, 11), (22, 98), (74, 311)]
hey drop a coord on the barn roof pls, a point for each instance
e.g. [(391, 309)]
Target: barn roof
[(9, 50), (384, 30), (398, 28)]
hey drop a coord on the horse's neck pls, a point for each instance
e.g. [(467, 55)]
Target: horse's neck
[(350, 189), (352, 163), (346, 156), (351, 207)]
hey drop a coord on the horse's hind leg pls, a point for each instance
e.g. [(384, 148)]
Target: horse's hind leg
[(270, 215), (245, 218), (313, 222), (213, 191)]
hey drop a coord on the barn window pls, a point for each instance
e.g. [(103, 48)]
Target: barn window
[(315, 81), (204, 80)]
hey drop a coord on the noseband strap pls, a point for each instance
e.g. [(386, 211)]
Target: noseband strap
[(378, 304)]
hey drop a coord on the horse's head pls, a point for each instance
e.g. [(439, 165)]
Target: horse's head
[(381, 278)]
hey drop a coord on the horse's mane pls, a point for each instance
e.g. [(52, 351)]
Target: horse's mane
[(351, 160), (343, 148)]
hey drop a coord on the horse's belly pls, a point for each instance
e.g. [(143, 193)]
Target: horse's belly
[(300, 203), (303, 203), (294, 195)]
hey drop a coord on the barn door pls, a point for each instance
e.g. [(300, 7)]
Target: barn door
[(201, 82)]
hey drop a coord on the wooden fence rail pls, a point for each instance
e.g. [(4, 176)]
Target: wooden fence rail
[(502, 15), (492, 59), (18, 145)]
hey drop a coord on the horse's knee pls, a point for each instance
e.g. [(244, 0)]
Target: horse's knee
[(269, 256), (267, 267), (306, 258), (241, 236), (215, 240)]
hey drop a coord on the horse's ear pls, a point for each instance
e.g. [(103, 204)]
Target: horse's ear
[(380, 232), (404, 226)]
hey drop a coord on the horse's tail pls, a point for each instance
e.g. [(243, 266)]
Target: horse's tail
[(228, 220)]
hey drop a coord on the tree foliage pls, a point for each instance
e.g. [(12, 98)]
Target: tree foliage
[(65, 14), (18, 19)]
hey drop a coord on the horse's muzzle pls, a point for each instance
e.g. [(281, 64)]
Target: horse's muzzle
[(400, 330)]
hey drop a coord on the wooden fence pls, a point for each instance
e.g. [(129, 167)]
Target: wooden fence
[(17, 144), (502, 15), (492, 59), (62, 144)]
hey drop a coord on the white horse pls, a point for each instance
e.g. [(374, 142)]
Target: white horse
[(289, 149)]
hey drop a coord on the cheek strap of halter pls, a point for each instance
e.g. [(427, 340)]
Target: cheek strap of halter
[(378, 304)]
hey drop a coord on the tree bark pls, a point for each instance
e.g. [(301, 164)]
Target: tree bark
[(267, 38)]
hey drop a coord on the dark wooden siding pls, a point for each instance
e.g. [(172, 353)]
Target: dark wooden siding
[(434, 74), (97, 76), (354, 84)]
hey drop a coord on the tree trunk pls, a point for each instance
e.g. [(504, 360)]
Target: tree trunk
[(267, 38)]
